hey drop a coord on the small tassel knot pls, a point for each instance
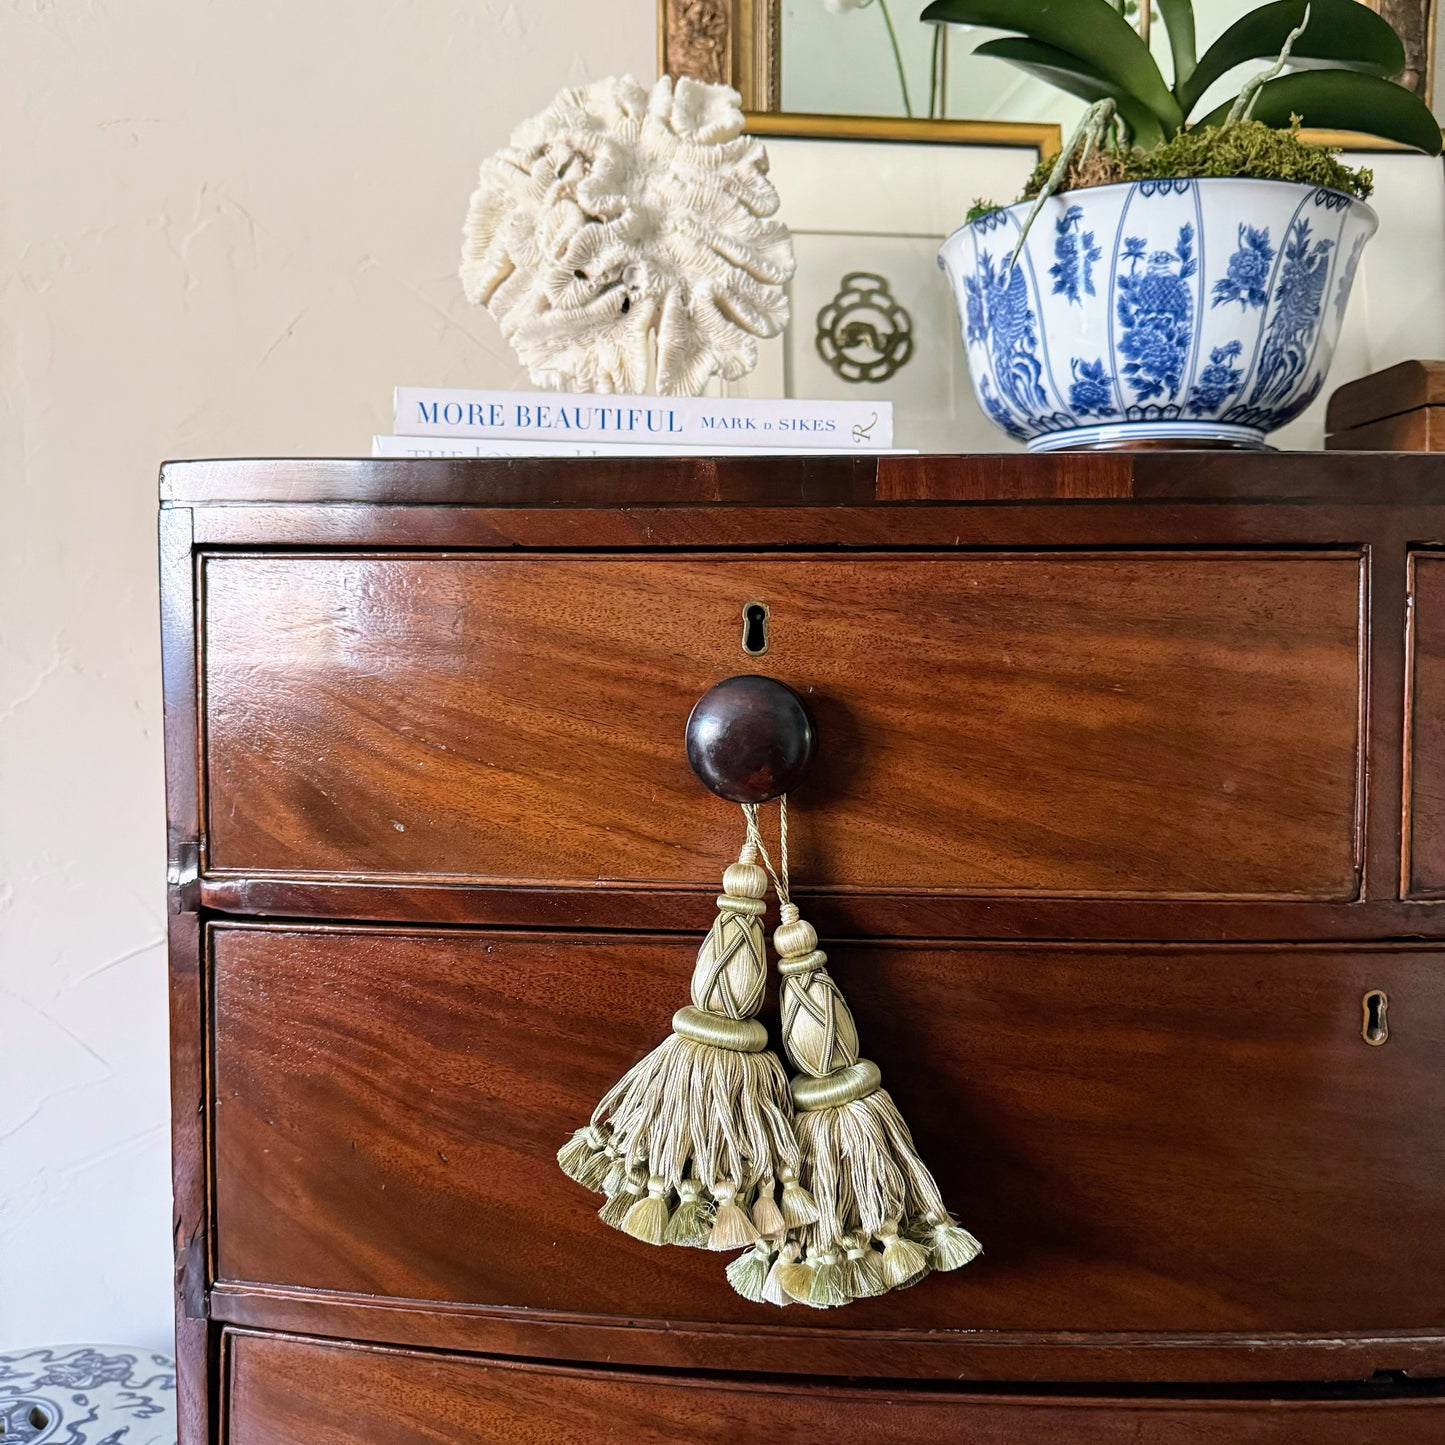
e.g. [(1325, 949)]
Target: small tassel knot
[(903, 1262), (798, 1206), (949, 1245), (731, 1227), (583, 1157), (619, 1206), (689, 1223), (616, 1176), (773, 1291), (748, 1273), (647, 1218), (767, 1217), (862, 1273), (794, 1275), (826, 1291)]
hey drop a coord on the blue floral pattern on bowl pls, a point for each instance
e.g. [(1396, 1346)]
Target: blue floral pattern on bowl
[(1173, 309)]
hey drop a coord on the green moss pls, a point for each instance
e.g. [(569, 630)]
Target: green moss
[(980, 207), (1250, 149)]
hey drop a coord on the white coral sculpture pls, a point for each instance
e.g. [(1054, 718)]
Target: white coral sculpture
[(627, 241)]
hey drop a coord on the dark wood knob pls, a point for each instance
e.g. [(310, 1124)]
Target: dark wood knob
[(750, 738)]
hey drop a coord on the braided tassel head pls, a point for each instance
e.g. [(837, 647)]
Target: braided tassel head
[(687, 1146)]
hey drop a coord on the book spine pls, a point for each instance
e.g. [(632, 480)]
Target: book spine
[(699, 422), (436, 446)]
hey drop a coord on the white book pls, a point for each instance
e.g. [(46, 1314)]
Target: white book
[(702, 422), (396, 446)]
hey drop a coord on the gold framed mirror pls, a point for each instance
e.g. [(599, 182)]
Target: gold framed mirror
[(865, 69)]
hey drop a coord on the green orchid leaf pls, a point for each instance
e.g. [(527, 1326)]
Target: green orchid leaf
[(1092, 30), (1343, 100), (1344, 32), (1179, 22), (1069, 73)]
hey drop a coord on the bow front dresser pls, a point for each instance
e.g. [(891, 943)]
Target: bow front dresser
[(1125, 832)]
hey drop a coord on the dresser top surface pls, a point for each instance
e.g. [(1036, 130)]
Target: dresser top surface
[(1366, 478)]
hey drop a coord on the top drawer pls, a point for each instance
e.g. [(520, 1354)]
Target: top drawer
[(1181, 724)]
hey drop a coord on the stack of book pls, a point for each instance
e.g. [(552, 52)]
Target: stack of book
[(436, 422)]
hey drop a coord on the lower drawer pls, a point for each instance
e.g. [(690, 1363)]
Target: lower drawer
[(1168, 1152), (281, 1390)]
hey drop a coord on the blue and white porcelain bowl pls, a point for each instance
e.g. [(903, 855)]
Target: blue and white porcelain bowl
[(1195, 311)]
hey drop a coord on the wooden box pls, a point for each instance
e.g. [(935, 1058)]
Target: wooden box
[(1400, 409)]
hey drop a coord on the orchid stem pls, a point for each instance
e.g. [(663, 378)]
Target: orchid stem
[(943, 75), (897, 58), (933, 72)]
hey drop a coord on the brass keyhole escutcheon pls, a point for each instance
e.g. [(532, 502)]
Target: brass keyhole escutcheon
[(1375, 1029), (755, 629)]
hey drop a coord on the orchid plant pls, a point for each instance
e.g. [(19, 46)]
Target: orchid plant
[(1089, 49)]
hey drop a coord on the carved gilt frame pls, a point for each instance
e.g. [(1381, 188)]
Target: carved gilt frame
[(735, 42)]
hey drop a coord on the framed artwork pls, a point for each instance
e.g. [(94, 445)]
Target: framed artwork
[(872, 57), (872, 316)]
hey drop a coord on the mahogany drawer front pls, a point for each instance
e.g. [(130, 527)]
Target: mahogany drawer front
[(1180, 724), (1424, 872), (1146, 1138), (283, 1389)]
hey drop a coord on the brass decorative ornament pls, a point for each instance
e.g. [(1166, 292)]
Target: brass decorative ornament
[(863, 334)]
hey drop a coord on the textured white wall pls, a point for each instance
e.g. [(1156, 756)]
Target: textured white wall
[(228, 228)]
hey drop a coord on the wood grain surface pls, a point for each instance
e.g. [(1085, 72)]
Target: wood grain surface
[(1155, 1106), (597, 485), (1146, 1139), (1423, 874), (283, 1390), (1166, 724)]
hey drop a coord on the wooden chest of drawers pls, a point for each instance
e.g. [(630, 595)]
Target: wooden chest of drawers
[(1126, 829)]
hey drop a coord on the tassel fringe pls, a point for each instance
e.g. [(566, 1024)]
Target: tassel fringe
[(731, 1227), (862, 1269), (768, 1218), (618, 1206), (691, 1220), (773, 1291), (647, 1219), (748, 1273)]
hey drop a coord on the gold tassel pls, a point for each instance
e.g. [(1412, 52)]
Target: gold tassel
[(948, 1245), (773, 1291), (798, 1206), (731, 1227), (768, 1219), (647, 1219), (795, 1276), (904, 1262), (617, 1207), (614, 1174), (710, 1105), (826, 1290), (690, 1221), (583, 1158), (857, 1161), (748, 1273), (862, 1268)]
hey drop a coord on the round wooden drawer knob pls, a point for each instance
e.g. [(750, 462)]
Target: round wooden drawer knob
[(750, 738)]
